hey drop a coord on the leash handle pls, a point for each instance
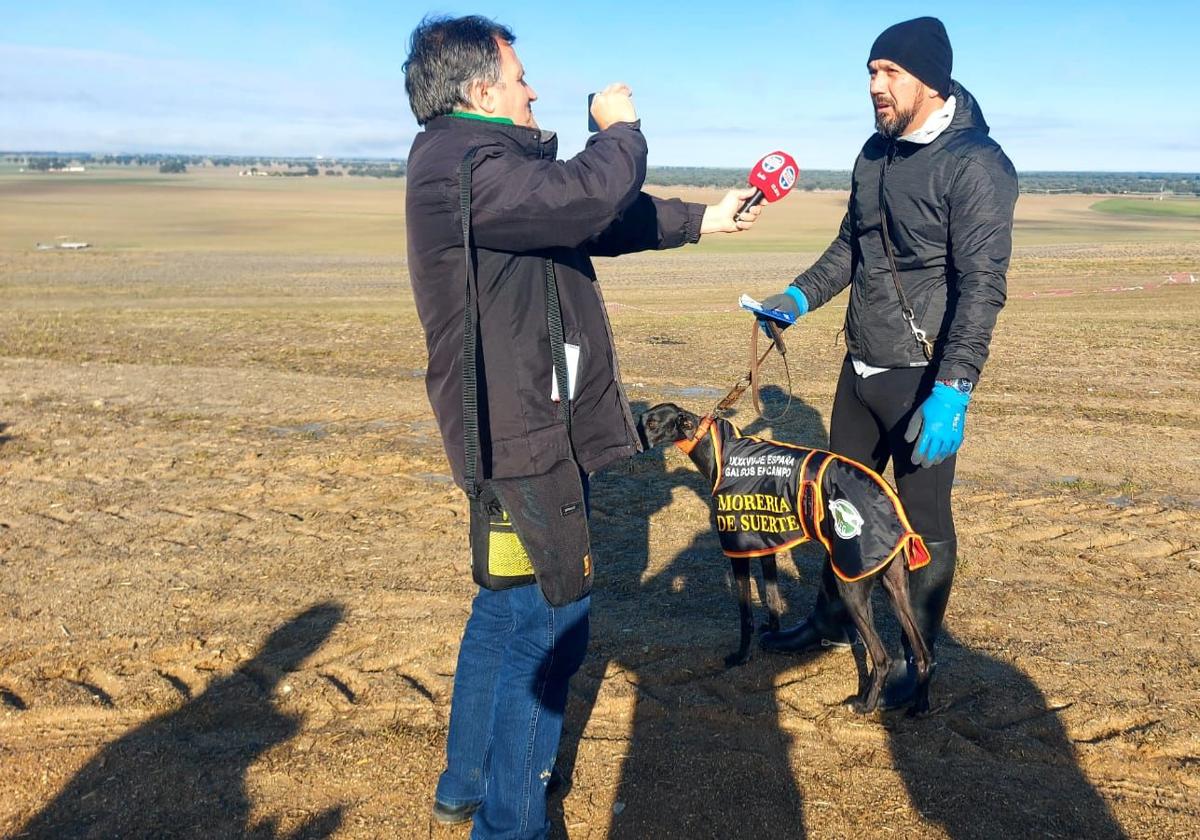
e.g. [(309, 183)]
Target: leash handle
[(756, 363), (750, 380)]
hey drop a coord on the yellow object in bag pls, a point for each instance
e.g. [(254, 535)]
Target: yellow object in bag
[(507, 558), (498, 558)]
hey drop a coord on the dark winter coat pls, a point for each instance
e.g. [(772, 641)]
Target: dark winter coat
[(950, 213), (526, 207)]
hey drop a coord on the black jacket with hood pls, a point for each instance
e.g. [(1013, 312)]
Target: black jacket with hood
[(527, 207), (949, 210)]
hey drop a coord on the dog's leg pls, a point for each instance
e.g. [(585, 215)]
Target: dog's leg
[(895, 582), (857, 598), (741, 574), (771, 584)]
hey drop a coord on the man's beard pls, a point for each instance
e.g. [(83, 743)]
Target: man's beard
[(897, 124)]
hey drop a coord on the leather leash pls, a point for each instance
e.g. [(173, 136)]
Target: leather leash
[(751, 379)]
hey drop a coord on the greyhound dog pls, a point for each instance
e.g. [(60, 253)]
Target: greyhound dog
[(770, 496)]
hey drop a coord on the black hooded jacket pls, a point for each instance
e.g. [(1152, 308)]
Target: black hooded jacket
[(528, 207), (949, 210)]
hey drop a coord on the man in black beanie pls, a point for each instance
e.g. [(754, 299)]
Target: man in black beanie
[(915, 58), (924, 248)]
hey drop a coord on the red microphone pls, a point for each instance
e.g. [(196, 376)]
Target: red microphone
[(772, 178)]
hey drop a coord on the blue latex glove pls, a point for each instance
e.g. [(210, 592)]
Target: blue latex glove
[(940, 422), (791, 301)]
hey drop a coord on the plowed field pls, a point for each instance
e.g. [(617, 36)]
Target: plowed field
[(233, 566)]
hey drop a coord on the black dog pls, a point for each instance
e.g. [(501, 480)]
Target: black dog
[(864, 533), (667, 423)]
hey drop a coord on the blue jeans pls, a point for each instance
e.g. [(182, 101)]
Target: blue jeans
[(510, 691)]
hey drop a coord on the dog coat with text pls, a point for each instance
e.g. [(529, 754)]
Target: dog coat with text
[(770, 496)]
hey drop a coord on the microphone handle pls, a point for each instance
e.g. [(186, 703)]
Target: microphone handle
[(752, 201)]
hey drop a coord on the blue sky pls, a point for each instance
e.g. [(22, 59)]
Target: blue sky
[(1065, 85)]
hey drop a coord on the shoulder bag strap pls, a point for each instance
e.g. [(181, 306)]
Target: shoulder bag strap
[(470, 371), (909, 315), (558, 351)]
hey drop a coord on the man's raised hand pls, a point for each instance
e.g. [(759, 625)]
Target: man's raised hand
[(613, 105)]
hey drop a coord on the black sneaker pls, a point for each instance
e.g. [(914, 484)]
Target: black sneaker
[(454, 814), (805, 637), (558, 783)]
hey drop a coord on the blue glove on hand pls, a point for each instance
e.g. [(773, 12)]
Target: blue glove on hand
[(940, 422), (791, 301)]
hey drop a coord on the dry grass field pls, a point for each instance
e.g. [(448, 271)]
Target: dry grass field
[(233, 575)]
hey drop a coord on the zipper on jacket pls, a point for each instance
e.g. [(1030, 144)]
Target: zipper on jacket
[(910, 316)]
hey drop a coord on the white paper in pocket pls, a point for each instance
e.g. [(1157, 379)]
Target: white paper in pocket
[(572, 353)]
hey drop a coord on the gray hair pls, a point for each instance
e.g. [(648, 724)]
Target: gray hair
[(446, 57)]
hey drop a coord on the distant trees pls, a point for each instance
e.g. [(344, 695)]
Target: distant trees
[(1111, 183), (45, 164), (1106, 183), (707, 176), (377, 169), (50, 164)]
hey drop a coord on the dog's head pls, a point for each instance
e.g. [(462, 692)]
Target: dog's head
[(666, 423)]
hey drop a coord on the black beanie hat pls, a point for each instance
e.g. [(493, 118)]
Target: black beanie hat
[(922, 47)]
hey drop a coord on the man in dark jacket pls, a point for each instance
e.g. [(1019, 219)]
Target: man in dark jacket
[(529, 211), (924, 247)]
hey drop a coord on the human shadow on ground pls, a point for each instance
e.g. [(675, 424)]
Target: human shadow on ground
[(706, 754), (183, 774), (993, 760)]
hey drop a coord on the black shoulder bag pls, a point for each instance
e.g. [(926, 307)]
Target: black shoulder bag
[(531, 528)]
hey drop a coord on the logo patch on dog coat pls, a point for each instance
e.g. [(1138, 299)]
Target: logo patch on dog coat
[(847, 521)]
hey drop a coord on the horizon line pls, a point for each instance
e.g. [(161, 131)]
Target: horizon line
[(334, 158)]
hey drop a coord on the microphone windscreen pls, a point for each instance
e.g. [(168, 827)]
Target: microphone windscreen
[(776, 174)]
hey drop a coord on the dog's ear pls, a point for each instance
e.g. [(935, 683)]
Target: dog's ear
[(686, 424)]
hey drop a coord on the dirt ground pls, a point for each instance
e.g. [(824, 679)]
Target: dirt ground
[(233, 574)]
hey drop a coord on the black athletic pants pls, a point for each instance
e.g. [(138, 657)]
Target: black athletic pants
[(870, 417)]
